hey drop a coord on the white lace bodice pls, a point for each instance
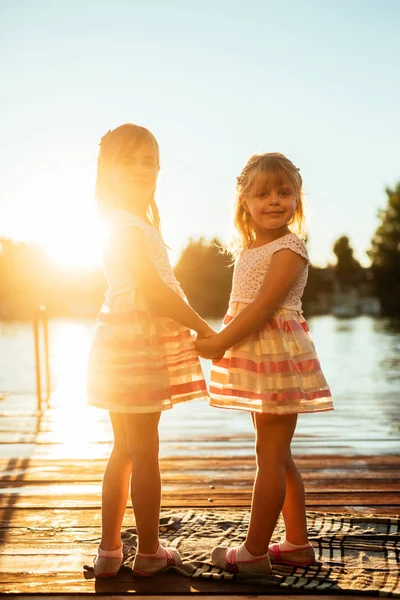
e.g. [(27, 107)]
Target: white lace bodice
[(117, 268), (252, 265)]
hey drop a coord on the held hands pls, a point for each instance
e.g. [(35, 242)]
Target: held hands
[(205, 332), (209, 347)]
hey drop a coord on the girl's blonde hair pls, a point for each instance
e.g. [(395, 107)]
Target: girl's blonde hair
[(258, 172), (115, 148)]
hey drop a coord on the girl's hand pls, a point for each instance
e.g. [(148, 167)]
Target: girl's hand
[(206, 332), (209, 347), (215, 361)]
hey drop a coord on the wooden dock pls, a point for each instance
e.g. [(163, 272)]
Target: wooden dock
[(50, 500)]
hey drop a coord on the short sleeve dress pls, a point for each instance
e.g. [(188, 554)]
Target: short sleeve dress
[(139, 362), (276, 369)]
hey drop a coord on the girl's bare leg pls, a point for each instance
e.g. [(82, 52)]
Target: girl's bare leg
[(141, 432), (294, 506), (115, 487), (273, 436)]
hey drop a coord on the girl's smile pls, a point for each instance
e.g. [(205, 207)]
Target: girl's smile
[(271, 209)]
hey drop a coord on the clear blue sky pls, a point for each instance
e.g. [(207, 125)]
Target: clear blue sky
[(216, 81)]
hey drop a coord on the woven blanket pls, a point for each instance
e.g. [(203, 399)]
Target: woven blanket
[(355, 554)]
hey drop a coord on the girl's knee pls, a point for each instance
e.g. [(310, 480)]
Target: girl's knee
[(119, 446), (141, 436), (274, 434), (143, 455), (143, 449), (272, 453), (120, 453)]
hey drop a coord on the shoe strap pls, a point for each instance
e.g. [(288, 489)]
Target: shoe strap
[(170, 558), (276, 551), (231, 565)]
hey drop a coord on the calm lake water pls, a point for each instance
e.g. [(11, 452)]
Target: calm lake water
[(360, 358)]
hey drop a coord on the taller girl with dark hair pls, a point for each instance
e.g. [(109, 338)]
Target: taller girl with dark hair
[(142, 359)]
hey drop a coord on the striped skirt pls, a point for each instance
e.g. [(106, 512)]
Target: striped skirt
[(141, 363), (275, 370)]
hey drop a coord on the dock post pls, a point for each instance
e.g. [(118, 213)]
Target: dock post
[(40, 319)]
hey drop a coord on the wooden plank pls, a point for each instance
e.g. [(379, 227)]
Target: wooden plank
[(52, 517), (197, 485), (48, 475), (224, 497), (170, 583), (323, 461), (191, 488), (89, 450), (80, 471), (49, 435), (238, 596)]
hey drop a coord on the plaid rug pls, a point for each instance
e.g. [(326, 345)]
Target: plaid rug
[(355, 554)]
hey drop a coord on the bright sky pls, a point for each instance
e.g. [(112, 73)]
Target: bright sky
[(216, 81)]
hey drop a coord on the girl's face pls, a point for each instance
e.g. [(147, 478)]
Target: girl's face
[(271, 204), (136, 175)]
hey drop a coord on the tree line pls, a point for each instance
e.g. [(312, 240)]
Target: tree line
[(29, 278)]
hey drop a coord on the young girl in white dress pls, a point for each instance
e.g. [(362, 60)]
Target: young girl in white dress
[(264, 359)]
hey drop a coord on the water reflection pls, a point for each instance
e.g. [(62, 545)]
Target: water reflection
[(76, 426), (360, 358), (390, 326)]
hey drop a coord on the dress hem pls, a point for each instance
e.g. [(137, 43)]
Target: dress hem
[(142, 409), (269, 411)]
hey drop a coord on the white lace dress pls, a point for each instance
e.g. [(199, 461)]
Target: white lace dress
[(139, 362), (274, 370)]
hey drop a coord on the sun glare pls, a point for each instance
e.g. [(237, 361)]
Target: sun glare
[(79, 430), (75, 247), (56, 209)]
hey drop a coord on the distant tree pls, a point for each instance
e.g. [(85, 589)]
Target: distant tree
[(385, 254), (347, 269), (205, 273), (28, 278), (319, 282)]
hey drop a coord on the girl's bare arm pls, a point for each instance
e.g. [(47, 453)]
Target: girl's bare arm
[(163, 299), (283, 272)]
